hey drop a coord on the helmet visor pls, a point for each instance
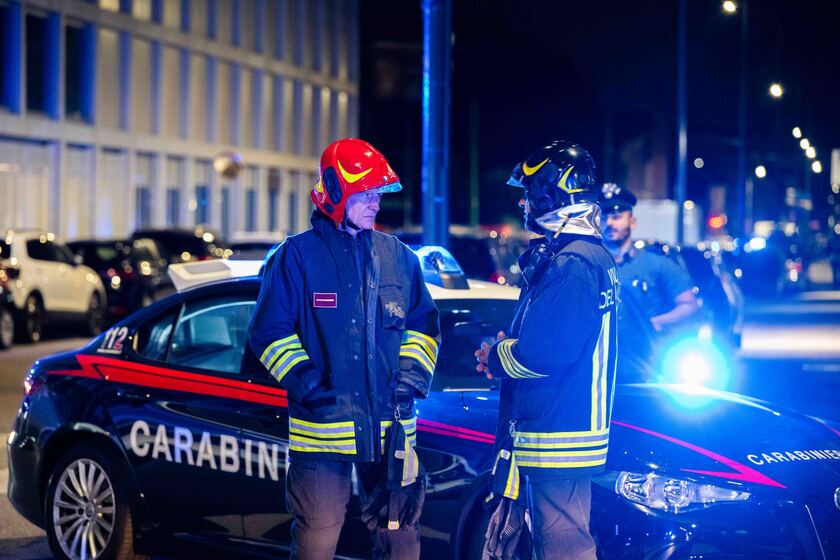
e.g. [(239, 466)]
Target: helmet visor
[(516, 176), (396, 186)]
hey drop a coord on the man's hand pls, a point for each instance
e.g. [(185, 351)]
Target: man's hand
[(483, 353)]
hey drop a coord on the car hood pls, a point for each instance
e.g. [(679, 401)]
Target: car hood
[(721, 436), (693, 433)]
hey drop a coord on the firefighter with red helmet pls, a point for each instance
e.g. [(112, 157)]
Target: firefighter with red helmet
[(345, 324)]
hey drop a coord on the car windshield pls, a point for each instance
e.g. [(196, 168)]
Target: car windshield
[(101, 255), (464, 325)]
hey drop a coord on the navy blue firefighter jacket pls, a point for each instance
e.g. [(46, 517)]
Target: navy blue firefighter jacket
[(354, 319), (557, 366)]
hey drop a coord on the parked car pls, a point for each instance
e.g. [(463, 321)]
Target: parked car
[(484, 254), (7, 312), (133, 271), (48, 284), (156, 429), (182, 245)]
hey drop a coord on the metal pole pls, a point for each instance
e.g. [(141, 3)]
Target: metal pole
[(437, 33), (474, 175), (682, 133), (739, 227)]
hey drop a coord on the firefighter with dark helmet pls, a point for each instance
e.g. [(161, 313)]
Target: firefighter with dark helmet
[(345, 324), (556, 363)]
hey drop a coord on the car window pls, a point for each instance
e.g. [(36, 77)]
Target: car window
[(212, 334), (464, 325), (5, 250), (152, 340), (63, 254), (45, 251)]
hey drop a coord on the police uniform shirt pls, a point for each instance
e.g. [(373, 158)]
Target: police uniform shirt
[(653, 279)]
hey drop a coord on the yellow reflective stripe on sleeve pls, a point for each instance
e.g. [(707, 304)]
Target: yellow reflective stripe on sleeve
[(275, 344), (431, 343), (604, 372), (288, 365), (419, 355), (511, 366)]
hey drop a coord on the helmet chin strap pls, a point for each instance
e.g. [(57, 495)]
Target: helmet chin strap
[(348, 224)]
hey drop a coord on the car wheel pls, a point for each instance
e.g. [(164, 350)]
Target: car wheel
[(88, 514), (95, 315), (32, 325), (7, 329)]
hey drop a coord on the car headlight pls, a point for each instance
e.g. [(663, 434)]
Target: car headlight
[(673, 495)]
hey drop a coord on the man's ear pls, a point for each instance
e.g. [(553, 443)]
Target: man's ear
[(632, 220)]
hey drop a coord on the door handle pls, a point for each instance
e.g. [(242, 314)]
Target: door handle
[(133, 395)]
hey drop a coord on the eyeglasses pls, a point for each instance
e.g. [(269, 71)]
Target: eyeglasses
[(367, 197)]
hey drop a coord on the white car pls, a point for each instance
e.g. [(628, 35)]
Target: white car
[(48, 284)]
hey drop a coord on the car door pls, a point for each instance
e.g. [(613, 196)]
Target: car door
[(178, 410), (74, 284), (46, 273)]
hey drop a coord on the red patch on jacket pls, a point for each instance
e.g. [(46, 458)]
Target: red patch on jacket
[(325, 300)]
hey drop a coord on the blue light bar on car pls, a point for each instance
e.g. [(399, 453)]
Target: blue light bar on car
[(440, 268)]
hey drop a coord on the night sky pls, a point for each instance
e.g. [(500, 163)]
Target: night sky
[(603, 74)]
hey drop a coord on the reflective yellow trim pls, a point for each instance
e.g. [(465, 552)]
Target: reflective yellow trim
[(604, 396), (527, 445), (323, 435), (512, 483), (421, 347), (538, 435), (352, 177), (562, 182), (299, 449), (289, 366), (511, 366), (324, 425), (559, 465), (433, 343), (586, 453), (275, 344), (531, 170)]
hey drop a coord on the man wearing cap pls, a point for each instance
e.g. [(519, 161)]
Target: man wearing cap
[(346, 326), (657, 294)]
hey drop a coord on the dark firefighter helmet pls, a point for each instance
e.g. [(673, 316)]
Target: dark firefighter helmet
[(554, 176)]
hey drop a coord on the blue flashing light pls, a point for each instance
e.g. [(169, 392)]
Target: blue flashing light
[(758, 243), (698, 364), (440, 267)]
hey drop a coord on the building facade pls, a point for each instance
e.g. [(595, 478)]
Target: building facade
[(112, 111)]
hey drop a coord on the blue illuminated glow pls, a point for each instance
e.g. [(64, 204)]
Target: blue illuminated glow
[(698, 364), (758, 243)]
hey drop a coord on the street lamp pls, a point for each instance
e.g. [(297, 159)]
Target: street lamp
[(776, 90), (797, 132), (810, 152), (730, 7), (804, 144), (816, 167), (761, 172)]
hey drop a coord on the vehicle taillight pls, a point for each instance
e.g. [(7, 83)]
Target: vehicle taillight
[(497, 278), (9, 273)]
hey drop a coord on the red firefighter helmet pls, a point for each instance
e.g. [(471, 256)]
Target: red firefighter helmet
[(348, 167)]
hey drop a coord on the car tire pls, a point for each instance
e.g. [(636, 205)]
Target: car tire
[(7, 329), (32, 320), (95, 317), (88, 505)]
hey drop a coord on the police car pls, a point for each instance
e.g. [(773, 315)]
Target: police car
[(155, 431)]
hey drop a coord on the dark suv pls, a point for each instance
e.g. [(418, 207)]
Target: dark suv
[(133, 271), (182, 245)]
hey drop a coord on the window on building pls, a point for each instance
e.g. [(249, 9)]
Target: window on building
[(224, 106), (225, 211), (141, 85), (107, 82), (198, 17), (251, 210), (173, 207), (144, 170), (273, 199), (316, 33), (9, 56), (275, 22), (174, 185), (37, 73), (203, 176), (293, 202), (142, 9), (299, 118), (172, 14), (78, 71), (298, 29), (110, 5), (224, 21)]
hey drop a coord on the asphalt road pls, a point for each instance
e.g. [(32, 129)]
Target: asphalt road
[(790, 355)]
